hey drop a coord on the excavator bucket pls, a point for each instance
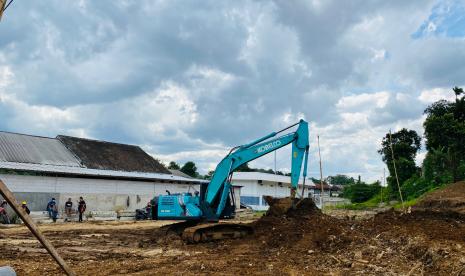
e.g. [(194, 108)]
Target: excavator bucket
[(289, 206), (279, 206)]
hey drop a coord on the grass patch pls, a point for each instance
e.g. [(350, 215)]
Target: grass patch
[(407, 203), (258, 214), (376, 200), (369, 204)]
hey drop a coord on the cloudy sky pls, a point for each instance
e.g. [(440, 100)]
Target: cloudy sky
[(187, 80)]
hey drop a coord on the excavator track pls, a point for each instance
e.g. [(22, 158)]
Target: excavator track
[(206, 232)]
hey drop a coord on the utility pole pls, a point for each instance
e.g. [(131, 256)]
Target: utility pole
[(321, 175), (275, 172), (395, 170)]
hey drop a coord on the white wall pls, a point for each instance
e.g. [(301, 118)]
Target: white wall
[(99, 194), (251, 188)]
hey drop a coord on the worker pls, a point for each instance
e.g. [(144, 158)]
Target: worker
[(81, 208), (68, 209), (52, 209), (3, 213), (25, 208), (49, 207), (148, 210)]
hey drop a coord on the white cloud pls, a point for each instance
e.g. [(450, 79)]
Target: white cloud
[(363, 101), (432, 95), (189, 81)]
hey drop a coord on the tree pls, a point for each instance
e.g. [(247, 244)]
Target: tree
[(173, 166), (405, 144), (445, 138), (190, 169), (244, 168), (340, 179), (458, 91), (209, 175)]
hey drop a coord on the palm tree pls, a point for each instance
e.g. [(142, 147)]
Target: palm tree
[(457, 91)]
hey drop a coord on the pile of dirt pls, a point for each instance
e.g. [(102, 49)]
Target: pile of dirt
[(303, 227), (449, 201), (300, 241), (290, 207)]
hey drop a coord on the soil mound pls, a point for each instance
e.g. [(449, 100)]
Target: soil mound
[(290, 207), (302, 227), (448, 200)]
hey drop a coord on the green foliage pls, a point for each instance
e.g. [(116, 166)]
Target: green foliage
[(361, 192), (209, 175), (174, 166), (445, 139), (415, 187), (437, 166), (245, 168), (369, 204), (340, 179), (406, 204), (405, 145), (190, 169)]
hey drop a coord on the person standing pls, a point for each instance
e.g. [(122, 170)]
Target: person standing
[(49, 207), (52, 209), (81, 207), (25, 208), (3, 213), (68, 209)]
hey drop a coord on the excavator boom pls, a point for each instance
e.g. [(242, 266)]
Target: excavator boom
[(215, 200)]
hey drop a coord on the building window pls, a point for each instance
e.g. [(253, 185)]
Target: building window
[(250, 200)]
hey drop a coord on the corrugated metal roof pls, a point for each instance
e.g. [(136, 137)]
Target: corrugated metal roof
[(179, 173), (34, 149), (95, 172)]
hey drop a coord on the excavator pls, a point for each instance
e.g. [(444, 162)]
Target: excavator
[(201, 211)]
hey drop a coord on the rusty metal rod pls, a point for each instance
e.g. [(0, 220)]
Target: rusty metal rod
[(9, 197)]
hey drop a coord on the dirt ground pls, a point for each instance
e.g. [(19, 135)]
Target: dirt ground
[(301, 242)]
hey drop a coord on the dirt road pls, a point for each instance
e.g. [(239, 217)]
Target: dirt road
[(307, 243)]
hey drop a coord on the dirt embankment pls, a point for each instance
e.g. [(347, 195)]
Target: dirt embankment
[(301, 241), (449, 200)]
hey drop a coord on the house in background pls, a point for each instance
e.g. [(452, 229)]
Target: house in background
[(255, 185), (110, 176)]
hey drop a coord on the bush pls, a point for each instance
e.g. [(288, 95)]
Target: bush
[(414, 187), (361, 192)]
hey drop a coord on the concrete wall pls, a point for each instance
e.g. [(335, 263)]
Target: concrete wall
[(99, 194), (252, 190), (35, 201)]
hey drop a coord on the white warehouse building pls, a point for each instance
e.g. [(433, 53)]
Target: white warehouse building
[(255, 185), (110, 176)]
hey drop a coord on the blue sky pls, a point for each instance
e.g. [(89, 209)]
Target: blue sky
[(187, 80)]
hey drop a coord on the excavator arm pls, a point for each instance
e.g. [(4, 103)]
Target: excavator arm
[(209, 207), (219, 187)]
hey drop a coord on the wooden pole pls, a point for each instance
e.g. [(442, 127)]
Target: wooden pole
[(321, 175), (2, 7), (9, 197), (384, 183), (395, 170)]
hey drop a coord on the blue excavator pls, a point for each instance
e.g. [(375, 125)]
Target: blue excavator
[(201, 211)]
